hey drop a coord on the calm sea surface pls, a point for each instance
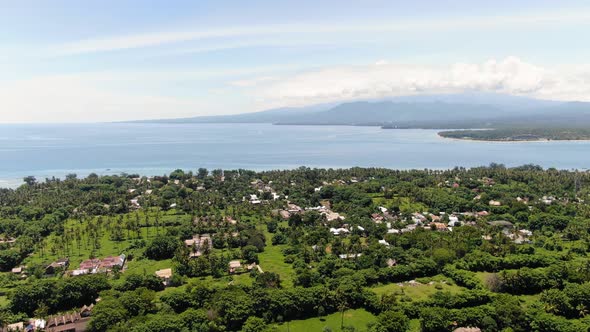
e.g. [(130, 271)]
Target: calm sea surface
[(155, 149)]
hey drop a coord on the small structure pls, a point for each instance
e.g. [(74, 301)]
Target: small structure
[(63, 323), (349, 256), (467, 329), (18, 270), (60, 264), (95, 265), (165, 275), (338, 231), (234, 266), (377, 218), (501, 223), (438, 226)]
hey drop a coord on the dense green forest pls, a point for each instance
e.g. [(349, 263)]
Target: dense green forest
[(361, 249), (519, 134)]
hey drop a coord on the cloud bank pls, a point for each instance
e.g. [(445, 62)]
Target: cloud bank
[(383, 79), (93, 97)]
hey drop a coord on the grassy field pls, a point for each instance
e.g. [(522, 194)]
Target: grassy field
[(273, 260), (418, 291), (358, 318), (404, 203), (483, 276)]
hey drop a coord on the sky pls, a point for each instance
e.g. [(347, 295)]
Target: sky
[(114, 60)]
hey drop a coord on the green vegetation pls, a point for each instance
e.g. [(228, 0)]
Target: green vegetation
[(502, 249), (357, 319), (520, 134)]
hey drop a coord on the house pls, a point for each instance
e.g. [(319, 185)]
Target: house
[(483, 214), (377, 218), (231, 220), (234, 266), (548, 200), (454, 220), (488, 181), (383, 242), (96, 265), (65, 323), (86, 311), (495, 203), (292, 208), (199, 241), (439, 226), (331, 216), (501, 223), (467, 329), (89, 265), (60, 264), (345, 256), (18, 270), (338, 231), (108, 263), (285, 214), (525, 232), (135, 203), (15, 327), (391, 262), (165, 275)]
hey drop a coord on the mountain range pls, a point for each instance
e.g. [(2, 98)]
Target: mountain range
[(452, 111)]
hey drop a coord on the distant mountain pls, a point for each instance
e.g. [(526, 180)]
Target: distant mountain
[(268, 116), (469, 110)]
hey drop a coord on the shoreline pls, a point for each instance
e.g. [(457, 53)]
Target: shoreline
[(469, 139)]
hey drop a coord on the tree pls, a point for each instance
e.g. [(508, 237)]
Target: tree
[(162, 247), (106, 314), (250, 254), (434, 320), (254, 324), (268, 280), (391, 321), (30, 180)]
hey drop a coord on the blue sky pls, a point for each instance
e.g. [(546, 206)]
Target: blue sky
[(81, 61)]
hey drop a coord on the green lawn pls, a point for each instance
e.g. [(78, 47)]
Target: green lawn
[(483, 276), (273, 260), (146, 266), (358, 318), (405, 203), (416, 292)]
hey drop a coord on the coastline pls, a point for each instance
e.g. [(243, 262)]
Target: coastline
[(469, 139)]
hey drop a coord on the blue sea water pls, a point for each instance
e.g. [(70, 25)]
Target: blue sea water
[(155, 149)]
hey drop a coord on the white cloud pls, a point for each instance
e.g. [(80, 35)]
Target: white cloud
[(384, 79), (314, 30), (115, 96)]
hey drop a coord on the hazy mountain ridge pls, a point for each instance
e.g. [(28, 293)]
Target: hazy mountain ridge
[(471, 110)]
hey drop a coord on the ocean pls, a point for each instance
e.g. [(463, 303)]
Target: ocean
[(156, 149)]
